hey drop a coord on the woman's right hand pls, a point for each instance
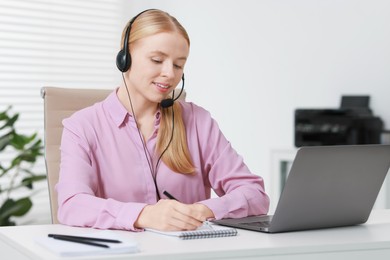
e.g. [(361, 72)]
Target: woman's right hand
[(171, 215)]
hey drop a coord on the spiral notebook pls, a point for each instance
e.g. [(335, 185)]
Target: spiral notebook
[(205, 231)]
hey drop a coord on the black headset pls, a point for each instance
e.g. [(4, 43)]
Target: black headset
[(123, 60)]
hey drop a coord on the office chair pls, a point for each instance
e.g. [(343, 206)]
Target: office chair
[(60, 103)]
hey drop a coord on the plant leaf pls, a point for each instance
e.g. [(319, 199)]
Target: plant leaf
[(10, 121), (28, 182), (28, 157), (19, 141), (15, 208), (3, 115), (5, 140), (8, 203)]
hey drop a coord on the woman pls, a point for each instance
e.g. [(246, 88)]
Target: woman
[(119, 157)]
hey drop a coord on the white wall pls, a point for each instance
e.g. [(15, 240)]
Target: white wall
[(253, 62)]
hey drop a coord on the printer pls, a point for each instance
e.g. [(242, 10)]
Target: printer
[(352, 123)]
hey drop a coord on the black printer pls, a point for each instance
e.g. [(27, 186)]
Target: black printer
[(352, 123)]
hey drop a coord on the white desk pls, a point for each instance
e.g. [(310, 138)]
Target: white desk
[(368, 241)]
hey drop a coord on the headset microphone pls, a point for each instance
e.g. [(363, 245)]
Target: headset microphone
[(165, 103)]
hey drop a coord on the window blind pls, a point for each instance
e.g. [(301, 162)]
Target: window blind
[(54, 43)]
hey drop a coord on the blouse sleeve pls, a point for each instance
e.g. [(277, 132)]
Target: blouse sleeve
[(241, 193), (78, 184)]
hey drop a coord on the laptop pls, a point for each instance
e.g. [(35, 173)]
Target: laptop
[(328, 186)]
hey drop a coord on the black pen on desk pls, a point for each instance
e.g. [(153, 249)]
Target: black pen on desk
[(85, 238), (166, 193), (80, 241)]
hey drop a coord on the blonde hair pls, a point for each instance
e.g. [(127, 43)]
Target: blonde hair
[(176, 154)]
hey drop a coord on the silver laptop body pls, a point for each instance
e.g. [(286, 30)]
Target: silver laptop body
[(328, 186)]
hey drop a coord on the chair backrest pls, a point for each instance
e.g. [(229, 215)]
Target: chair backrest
[(60, 103)]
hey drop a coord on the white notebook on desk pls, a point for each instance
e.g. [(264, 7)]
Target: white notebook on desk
[(68, 249), (205, 231)]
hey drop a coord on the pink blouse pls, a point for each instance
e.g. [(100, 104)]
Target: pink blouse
[(105, 180)]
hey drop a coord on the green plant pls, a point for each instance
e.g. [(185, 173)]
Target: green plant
[(17, 171)]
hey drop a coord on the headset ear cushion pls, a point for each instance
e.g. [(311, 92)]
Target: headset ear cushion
[(123, 60)]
